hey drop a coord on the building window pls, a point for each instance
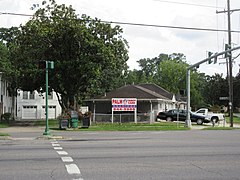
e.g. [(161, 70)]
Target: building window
[(32, 95), (25, 94)]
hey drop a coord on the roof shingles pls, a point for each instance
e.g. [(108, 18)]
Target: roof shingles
[(142, 91)]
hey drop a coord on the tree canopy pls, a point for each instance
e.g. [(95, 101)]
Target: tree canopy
[(90, 59), (88, 54)]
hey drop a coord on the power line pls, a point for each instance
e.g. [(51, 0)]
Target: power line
[(172, 27), (140, 24), (189, 4)]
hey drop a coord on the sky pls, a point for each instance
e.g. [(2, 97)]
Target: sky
[(149, 42)]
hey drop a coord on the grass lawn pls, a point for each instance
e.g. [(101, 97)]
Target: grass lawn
[(134, 127), (159, 126), (235, 120), (4, 134), (3, 125), (51, 122)]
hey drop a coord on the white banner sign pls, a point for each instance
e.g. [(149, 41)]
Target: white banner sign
[(124, 104)]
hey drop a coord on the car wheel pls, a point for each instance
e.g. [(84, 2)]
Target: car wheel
[(169, 119), (214, 120), (199, 121)]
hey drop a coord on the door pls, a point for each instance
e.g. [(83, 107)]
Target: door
[(29, 112), (51, 112)]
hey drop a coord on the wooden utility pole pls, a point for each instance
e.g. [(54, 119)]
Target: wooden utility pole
[(229, 75)]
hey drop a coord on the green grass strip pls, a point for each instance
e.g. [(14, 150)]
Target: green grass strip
[(4, 134)]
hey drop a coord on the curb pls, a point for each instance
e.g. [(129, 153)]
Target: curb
[(6, 138)]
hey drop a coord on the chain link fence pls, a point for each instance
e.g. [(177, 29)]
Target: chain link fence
[(122, 118)]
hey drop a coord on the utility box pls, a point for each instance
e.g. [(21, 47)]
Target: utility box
[(85, 122), (74, 119), (63, 124)]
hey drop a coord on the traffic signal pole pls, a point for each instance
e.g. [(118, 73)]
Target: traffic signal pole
[(188, 120), (47, 131), (49, 65)]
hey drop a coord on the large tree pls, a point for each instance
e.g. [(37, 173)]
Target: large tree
[(236, 92), (89, 55), (216, 86), (169, 72)]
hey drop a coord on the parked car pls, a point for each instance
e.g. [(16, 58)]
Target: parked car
[(215, 117), (181, 115)]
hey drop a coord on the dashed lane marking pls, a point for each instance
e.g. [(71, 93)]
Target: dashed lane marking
[(58, 148), (67, 159), (55, 145), (62, 152), (72, 169)]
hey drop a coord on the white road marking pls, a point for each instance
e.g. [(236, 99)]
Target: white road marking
[(62, 152), (67, 159), (54, 145), (58, 148), (72, 169)]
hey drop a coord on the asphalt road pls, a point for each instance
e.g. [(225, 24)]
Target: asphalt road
[(194, 154)]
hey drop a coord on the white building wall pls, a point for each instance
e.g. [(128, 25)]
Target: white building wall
[(34, 107), (5, 99)]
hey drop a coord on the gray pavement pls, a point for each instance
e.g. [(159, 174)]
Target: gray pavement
[(135, 155)]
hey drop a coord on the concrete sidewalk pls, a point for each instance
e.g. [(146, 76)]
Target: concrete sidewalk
[(21, 129), (37, 131)]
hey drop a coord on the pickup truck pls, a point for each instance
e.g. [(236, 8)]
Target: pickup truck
[(214, 117)]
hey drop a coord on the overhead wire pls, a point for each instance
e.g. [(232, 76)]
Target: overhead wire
[(140, 24), (190, 4)]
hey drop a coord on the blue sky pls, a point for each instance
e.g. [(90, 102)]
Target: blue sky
[(149, 42)]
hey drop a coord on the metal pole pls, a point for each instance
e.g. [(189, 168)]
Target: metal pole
[(47, 132), (230, 66), (94, 112), (188, 120)]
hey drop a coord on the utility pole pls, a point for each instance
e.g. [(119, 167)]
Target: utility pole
[(230, 66), (230, 79)]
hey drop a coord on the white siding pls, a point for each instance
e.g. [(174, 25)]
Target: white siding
[(36, 100), (5, 100)]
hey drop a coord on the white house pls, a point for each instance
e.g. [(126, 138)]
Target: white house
[(6, 105), (31, 105)]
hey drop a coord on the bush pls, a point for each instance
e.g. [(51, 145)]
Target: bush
[(6, 117)]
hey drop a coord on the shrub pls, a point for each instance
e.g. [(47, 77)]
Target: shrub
[(6, 117)]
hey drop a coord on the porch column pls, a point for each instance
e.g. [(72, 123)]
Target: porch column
[(94, 112), (151, 113)]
